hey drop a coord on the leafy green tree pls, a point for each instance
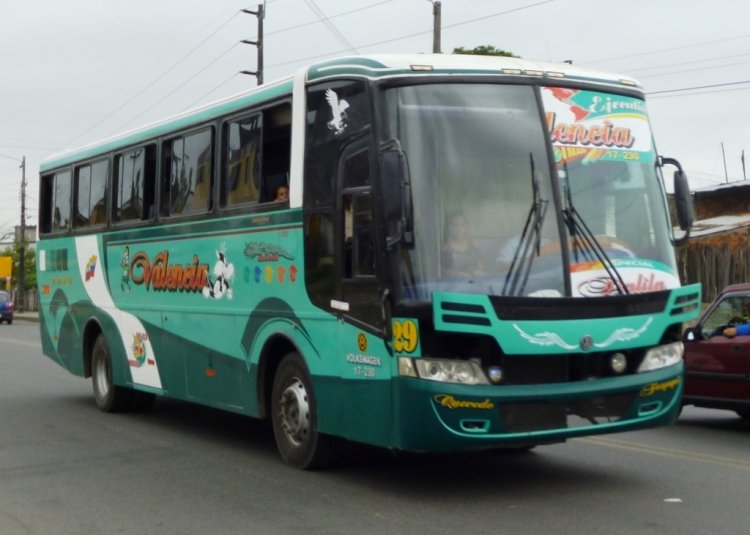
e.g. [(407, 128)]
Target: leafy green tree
[(484, 50)]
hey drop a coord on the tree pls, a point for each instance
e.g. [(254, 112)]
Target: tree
[(484, 50)]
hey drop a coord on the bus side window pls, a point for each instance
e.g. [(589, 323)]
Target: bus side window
[(188, 174), (56, 202), (90, 187), (256, 155), (328, 132), (358, 253), (277, 146), (242, 160), (359, 257), (133, 184), (47, 194)]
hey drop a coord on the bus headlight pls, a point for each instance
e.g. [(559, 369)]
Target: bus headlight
[(463, 372), (661, 357)]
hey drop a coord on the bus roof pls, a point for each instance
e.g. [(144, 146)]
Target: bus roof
[(380, 66), (373, 67)]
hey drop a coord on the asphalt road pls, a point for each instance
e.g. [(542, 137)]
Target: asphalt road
[(66, 468)]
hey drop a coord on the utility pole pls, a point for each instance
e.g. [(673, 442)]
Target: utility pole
[(22, 243), (258, 72), (744, 174), (436, 16), (724, 156)]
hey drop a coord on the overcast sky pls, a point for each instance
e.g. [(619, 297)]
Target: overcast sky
[(75, 71)]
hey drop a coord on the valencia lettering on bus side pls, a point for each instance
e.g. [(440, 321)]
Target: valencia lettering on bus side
[(160, 275)]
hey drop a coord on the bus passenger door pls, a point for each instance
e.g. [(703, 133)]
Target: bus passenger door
[(367, 366), (359, 284), (341, 263)]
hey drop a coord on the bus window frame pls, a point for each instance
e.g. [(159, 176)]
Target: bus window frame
[(114, 182), (76, 167), (45, 200), (262, 205), (162, 177), (223, 145)]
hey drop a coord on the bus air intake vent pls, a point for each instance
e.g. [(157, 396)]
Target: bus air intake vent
[(685, 304), (464, 313)]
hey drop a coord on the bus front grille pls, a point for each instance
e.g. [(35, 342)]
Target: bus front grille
[(523, 417)]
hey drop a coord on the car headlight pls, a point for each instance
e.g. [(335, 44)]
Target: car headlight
[(463, 372), (661, 357)]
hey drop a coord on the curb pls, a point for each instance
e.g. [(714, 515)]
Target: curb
[(32, 318)]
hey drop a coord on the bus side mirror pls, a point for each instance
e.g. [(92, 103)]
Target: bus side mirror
[(683, 200), (399, 210)]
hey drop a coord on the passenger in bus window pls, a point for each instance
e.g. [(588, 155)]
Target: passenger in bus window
[(460, 257), (282, 193)]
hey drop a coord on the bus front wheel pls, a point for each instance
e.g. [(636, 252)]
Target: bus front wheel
[(108, 396), (294, 416)]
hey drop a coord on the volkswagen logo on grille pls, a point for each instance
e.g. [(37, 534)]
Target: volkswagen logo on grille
[(587, 342)]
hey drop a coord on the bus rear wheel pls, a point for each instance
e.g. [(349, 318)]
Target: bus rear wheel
[(294, 417), (108, 396)]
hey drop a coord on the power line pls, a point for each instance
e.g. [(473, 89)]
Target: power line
[(209, 92), (506, 12), (670, 49), (332, 28), (691, 62), (10, 157), (682, 89), (10, 171), (180, 86), (152, 82), (400, 38), (669, 73), (296, 27), (27, 147), (709, 92)]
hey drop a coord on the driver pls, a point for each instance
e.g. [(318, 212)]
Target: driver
[(743, 329), (740, 330), (460, 257)]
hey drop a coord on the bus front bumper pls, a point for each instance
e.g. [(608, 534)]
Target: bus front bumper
[(433, 416)]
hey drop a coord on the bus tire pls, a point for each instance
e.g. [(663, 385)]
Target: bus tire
[(294, 416), (108, 396)]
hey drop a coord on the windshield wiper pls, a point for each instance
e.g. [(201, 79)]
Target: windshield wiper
[(530, 240), (585, 240)]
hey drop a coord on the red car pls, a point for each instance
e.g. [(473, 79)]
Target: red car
[(717, 368)]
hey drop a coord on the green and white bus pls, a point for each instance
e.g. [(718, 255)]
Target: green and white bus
[(289, 253)]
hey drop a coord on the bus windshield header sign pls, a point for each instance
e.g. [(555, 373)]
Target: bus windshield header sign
[(592, 126)]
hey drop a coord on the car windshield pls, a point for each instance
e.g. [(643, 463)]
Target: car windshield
[(4, 297), (731, 310), (485, 216)]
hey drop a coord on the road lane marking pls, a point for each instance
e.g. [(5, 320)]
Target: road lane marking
[(730, 462)]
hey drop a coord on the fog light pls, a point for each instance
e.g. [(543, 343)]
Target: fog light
[(618, 362), (495, 374)]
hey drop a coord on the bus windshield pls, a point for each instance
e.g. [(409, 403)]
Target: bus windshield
[(486, 219)]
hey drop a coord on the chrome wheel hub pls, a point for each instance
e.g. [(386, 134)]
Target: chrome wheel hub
[(295, 412)]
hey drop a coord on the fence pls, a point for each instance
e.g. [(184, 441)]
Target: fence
[(716, 261)]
